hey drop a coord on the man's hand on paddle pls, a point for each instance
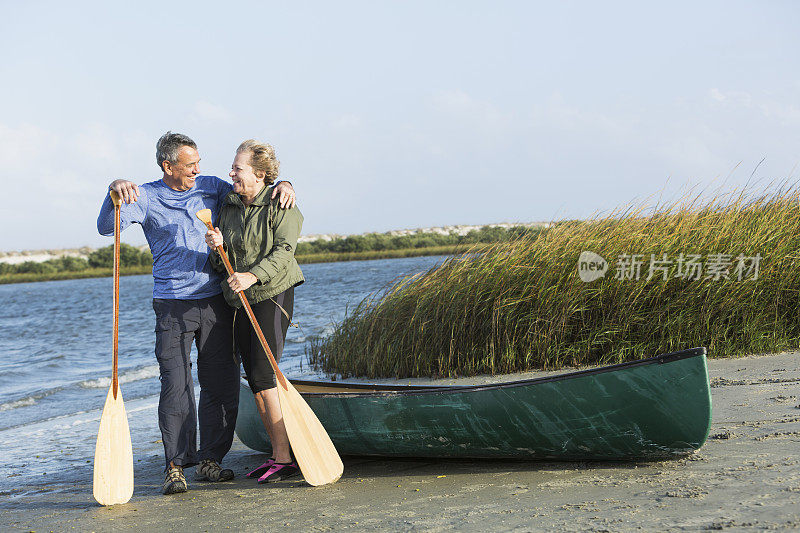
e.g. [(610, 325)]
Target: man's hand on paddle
[(286, 192), (127, 190)]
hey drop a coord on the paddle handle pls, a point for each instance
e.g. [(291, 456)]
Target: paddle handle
[(117, 230), (278, 374)]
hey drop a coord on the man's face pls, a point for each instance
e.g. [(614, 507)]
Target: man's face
[(180, 175)]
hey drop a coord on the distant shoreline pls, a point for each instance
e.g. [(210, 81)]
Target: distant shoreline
[(6, 279), (304, 259), (50, 265), (16, 257)]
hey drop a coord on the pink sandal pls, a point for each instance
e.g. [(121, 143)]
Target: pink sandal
[(258, 472), (279, 471)]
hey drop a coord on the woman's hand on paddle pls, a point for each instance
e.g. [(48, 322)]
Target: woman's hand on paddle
[(214, 238), (127, 190), (240, 281), (287, 195)]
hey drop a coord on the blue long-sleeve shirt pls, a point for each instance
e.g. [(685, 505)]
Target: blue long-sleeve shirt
[(181, 269)]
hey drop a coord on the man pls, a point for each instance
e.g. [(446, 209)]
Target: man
[(189, 306)]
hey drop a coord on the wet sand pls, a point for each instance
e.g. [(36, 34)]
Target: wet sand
[(746, 477)]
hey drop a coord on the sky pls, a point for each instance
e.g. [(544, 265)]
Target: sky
[(391, 115)]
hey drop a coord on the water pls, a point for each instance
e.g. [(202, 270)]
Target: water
[(55, 357)]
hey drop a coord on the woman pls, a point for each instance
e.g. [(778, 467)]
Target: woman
[(260, 240)]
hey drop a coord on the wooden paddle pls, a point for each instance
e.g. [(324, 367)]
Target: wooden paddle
[(315, 453), (113, 455)]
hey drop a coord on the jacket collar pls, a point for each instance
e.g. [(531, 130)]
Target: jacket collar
[(261, 199)]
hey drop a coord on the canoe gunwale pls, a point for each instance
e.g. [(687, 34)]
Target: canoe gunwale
[(378, 390)]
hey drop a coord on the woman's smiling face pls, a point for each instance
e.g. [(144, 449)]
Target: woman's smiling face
[(245, 180)]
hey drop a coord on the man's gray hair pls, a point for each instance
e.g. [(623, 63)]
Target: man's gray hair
[(169, 145)]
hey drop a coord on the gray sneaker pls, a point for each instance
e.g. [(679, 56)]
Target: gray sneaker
[(209, 470), (175, 481)]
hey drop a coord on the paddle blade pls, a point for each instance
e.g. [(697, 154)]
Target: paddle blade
[(205, 216), (315, 453), (113, 455)]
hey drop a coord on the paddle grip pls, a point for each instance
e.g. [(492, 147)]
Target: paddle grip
[(278, 374)]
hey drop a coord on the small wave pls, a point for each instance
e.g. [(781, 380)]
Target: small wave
[(28, 400), (34, 427), (296, 340), (99, 383), (126, 377), (23, 402)]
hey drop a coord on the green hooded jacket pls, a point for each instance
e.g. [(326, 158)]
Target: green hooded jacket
[(261, 239)]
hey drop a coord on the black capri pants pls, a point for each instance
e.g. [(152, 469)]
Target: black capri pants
[(274, 325)]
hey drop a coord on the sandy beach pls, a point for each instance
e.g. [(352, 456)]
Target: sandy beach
[(746, 477)]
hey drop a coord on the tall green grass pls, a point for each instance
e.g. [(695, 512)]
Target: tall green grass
[(521, 305)]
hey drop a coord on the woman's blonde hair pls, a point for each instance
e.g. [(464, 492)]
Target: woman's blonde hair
[(262, 159)]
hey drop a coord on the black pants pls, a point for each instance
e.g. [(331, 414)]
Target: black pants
[(206, 322), (273, 325)]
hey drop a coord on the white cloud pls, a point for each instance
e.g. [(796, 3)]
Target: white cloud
[(458, 104), (208, 112), (21, 147), (95, 142), (348, 121), (737, 98), (54, 182)]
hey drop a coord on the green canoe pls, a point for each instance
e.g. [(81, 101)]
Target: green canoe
[(647, 409)]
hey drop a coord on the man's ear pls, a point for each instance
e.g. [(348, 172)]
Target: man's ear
[(167, 167)]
